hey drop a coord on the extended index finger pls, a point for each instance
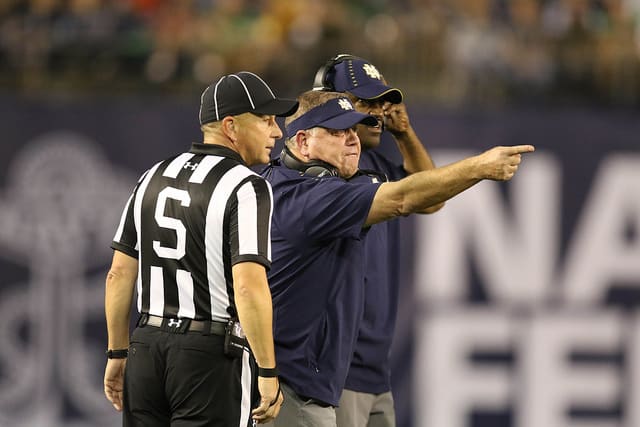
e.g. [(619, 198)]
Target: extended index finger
[(517, 149)]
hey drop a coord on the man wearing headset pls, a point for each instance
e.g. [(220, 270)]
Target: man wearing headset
[(323, 209), (367, 399)]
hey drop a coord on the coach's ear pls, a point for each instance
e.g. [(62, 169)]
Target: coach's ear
[(302, 144)]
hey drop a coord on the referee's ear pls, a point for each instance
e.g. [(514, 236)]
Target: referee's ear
[(228, 127)]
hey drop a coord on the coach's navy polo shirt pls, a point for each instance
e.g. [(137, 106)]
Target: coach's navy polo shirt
[(370, 370), (317, 277)]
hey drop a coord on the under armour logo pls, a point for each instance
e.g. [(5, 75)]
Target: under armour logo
[(345, 104), (372, 71), (190, 165), (174, 322)]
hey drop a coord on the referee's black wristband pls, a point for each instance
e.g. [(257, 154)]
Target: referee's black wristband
[(268, 372), (117, 354)]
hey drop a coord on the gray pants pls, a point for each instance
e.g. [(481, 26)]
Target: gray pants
[(296, 412), (365, 410)]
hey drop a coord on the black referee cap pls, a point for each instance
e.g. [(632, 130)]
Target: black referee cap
[(242, 92)]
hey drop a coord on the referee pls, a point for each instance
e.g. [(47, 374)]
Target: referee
[(194, 242)]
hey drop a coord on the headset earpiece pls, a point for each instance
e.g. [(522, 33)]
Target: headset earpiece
[(321, 82), (316, 168)]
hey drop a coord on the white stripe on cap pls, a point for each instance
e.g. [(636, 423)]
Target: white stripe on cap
[(263, 82), (215, 97), (245, 89), (201, 102)]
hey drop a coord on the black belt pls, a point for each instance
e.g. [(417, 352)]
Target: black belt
[(182, 325)]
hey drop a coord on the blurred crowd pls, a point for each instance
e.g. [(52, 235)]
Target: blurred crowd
[(443, 51)]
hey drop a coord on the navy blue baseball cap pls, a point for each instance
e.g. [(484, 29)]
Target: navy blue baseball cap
[(337, 113), (347, 73), (242, 92)]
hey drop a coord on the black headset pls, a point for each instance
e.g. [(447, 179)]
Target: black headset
[(316, 168), (321, 82)]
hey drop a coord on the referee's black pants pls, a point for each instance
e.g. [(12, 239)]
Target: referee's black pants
[(184, 379)]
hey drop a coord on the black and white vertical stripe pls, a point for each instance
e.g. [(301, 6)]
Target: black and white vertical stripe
[(188, 221)]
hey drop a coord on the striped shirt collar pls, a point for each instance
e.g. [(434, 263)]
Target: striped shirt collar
[(215, 150)]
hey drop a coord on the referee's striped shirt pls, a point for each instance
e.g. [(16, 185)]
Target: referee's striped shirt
[(189, 220)]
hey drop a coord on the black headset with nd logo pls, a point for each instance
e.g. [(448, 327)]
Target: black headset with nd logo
[(316, 168), (321, 82), (321, 169)]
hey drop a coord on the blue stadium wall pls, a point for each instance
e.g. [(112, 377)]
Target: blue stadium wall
[(518, 301)]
